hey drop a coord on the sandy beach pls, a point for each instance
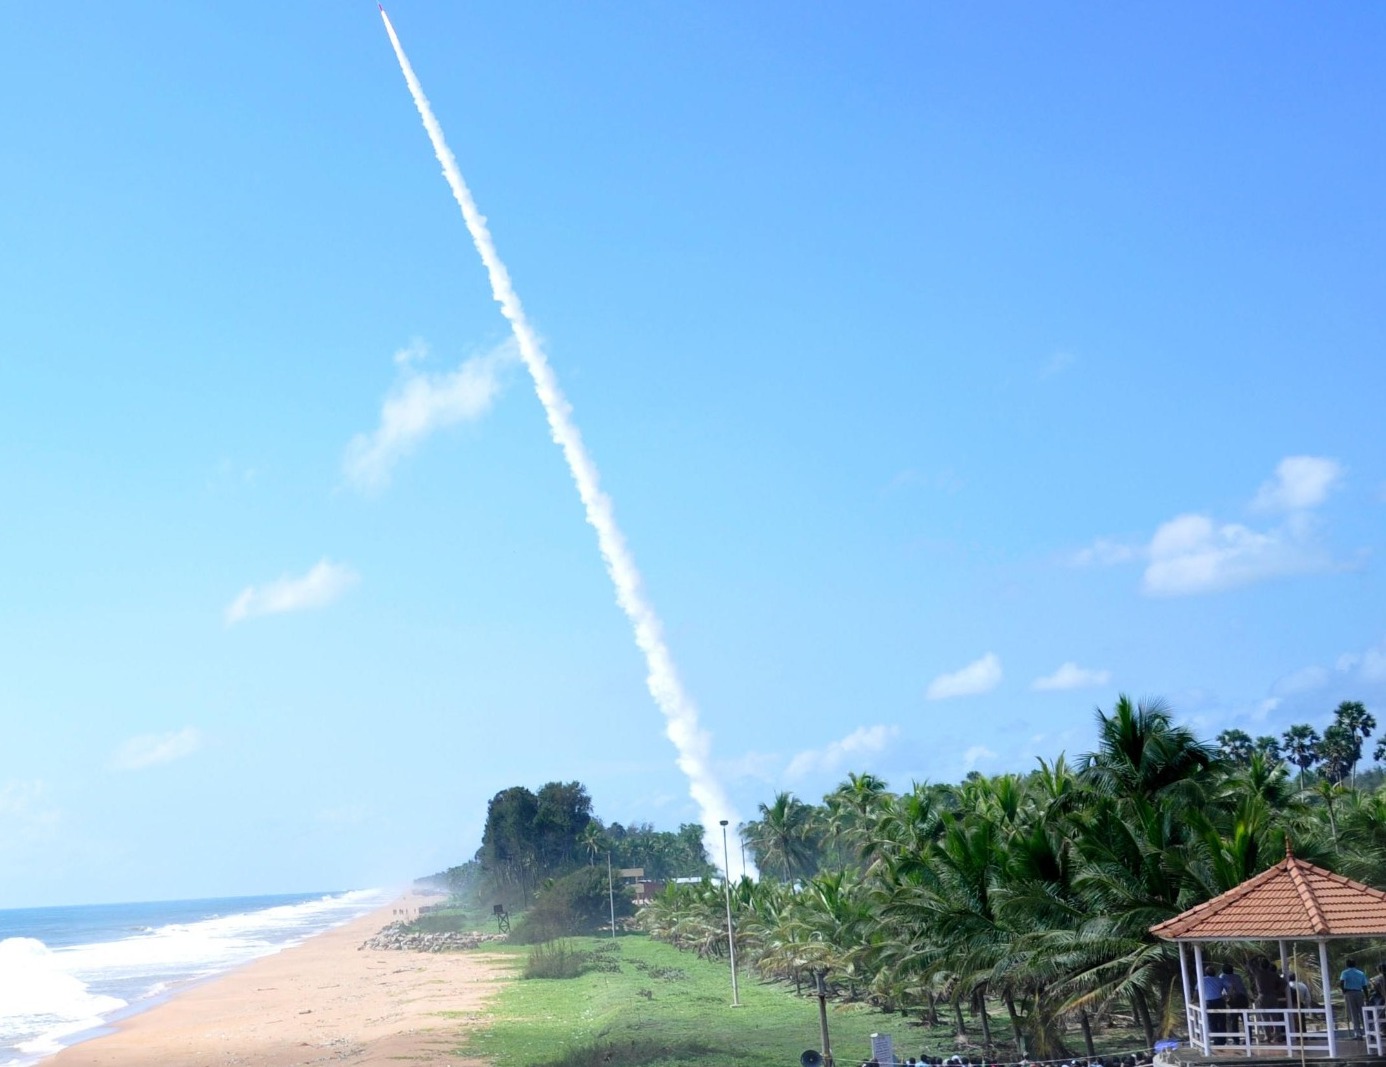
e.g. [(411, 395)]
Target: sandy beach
[(325, 1001)]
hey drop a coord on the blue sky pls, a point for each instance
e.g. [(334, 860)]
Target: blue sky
[(952, 370)]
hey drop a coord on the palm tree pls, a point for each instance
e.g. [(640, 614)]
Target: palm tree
[(1301, 747), (781, 838), (1352, 715), (852, 807), (594, 841), (1236, 745), (1141, 752), (1339, 750)]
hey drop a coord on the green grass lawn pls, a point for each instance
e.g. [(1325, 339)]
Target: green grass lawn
[(659, 1007)]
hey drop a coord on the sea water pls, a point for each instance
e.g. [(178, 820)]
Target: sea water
[(67, 973)]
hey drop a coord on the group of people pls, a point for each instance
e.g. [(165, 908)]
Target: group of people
[(1140, 1059), (1225, 995)]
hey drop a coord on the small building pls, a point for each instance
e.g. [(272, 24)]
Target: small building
[(1292, 902)]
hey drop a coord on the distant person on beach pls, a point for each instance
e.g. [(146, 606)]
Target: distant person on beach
[(1353, 983)]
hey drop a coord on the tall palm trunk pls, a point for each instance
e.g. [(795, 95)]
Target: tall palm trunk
[(981, 1003), (1087, 1033), (958, 1015), (1017, 1027), (1142, 1013)]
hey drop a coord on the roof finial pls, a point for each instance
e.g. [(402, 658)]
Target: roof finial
[(1289, 848)]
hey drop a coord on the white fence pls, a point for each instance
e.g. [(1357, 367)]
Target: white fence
[(1372, 1021), (1259, 1030)]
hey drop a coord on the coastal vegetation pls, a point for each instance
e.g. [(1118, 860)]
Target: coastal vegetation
[(532, 839), (1034, 894), (1005, 915)]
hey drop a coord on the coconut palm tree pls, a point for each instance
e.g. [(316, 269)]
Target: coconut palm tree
[(1352, 716), (782, 838), (1300, 745)]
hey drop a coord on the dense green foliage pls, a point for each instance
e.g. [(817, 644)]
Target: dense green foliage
[(534, 838), (1035, 893), (580, 902), (659, 853), (531, 836)]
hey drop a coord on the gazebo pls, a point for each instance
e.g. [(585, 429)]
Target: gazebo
[(1293, 901)]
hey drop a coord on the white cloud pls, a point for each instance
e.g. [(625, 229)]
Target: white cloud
[(1072, 676), (833, 756), (419, 405), (1369, 665), (1304, 680), (322, 585), (1105, 553), (1195, 553), (416, 351), (976, 754), (151, 750), (1300, 482), (980, 676), (1192, 554)]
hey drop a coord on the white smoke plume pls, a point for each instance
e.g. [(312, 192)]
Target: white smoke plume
[(690, 740)]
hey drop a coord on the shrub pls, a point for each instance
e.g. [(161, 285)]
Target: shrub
[(458, 920), (555, 959), (577, 903), (633, 1053)]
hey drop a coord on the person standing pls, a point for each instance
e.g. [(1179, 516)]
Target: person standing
[(1353, 983), (1213, 1002), (1236, 997)]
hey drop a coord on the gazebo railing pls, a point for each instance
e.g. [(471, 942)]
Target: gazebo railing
[(1294, 1030), (1373, 1022)]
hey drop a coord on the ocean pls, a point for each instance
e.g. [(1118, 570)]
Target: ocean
[(67, 973)]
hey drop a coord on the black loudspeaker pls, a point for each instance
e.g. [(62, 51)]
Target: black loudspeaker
[(811, 1058)]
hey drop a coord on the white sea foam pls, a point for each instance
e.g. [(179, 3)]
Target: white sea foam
[(49, 996), (38, 994)]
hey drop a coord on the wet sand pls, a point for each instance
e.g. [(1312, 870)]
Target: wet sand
[(325, 1001)]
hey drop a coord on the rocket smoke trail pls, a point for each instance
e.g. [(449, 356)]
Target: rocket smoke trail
[(681, 715)]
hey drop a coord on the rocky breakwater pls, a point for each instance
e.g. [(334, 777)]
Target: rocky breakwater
[(399, 936)]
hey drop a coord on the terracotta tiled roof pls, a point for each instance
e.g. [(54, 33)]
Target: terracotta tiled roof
[(1293, 899)]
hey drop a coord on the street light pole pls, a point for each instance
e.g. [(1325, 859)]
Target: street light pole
[(611, 889), (731, 933), (823, 1017)]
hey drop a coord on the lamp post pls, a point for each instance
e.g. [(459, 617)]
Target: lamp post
[(611, 889), (822, 993), (731, 933)]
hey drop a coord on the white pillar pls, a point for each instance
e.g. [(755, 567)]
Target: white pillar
[(1207, 1044), (1284, 971), (1328, 1001), (1188, 993)]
